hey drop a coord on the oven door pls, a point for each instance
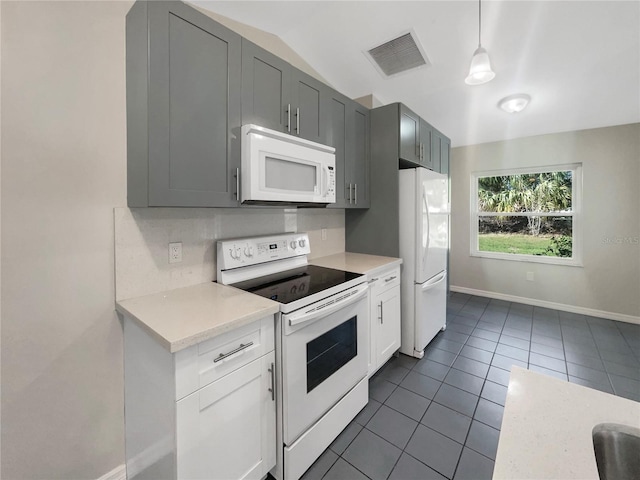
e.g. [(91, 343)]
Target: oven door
[(325, 352)]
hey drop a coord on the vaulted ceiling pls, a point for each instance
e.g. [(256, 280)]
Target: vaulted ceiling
[(578, 60)]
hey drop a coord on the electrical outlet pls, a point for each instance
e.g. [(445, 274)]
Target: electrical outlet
[(323, 233), (175, 252), (530, 276)]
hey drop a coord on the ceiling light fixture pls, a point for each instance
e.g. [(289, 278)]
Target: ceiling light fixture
[(480, 70), (514, 103)]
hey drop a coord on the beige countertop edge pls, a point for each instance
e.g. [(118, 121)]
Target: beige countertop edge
[(357, 262), (547, 424), (234, 308)]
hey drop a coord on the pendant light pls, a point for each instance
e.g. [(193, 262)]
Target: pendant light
[(480, 70)]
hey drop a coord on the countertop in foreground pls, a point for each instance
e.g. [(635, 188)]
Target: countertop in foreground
[(186, 316), (546, 428)]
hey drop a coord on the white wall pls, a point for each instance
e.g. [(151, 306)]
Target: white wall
[(609, 282), (63, 173)]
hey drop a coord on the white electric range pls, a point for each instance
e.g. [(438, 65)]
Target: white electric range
[(321, 340)]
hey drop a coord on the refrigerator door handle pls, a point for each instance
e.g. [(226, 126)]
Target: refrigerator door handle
[(425, 219), (432, 283)]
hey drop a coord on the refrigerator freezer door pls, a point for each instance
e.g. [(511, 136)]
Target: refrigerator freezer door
[(432, 222), (431, 310)]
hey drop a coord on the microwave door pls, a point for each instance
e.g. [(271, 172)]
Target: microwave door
[(290, 176)]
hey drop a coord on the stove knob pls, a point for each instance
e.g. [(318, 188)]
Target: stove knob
[(294, 289), (233, 253), (248, 251), (302, 242), (293, 244)]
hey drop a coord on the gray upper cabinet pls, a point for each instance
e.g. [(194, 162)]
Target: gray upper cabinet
[(426, 139), (358, 156), (420, 145), (337, 138), (278, 96), (265, 88), (440, 147), (445, 152), (183, 107), (415, 147), (348, 133), (409, 135)]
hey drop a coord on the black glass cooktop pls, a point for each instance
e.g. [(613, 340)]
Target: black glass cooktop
[(291, 285)]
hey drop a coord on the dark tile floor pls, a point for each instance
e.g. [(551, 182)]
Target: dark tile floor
[(440, 417)]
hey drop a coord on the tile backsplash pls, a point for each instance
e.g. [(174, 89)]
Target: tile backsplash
[(142, 237)]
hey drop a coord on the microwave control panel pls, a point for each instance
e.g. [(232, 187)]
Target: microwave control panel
[(241, 252), (331, 189)]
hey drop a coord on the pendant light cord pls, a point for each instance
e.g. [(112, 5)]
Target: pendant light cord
[(479, 22)]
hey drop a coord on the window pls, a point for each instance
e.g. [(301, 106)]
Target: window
[(528, 215)]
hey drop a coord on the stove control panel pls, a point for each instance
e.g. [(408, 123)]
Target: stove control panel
[(242, 252)]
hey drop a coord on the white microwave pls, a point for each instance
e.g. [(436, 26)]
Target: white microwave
[(281, 169)]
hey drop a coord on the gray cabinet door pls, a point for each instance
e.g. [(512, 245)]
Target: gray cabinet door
[(359, 156), (426, 145), (192, 103), (409, 135), (278, 96), (445, 149), (266, 89), (337, 138), (310, 102)]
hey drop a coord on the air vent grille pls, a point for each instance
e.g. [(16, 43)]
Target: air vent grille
[(398, 55)]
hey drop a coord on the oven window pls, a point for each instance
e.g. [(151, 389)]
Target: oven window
[(329, 352), (285, 175)]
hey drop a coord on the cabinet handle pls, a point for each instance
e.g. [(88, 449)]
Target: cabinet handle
[(237, 184), (350, 199), (381, 314), (355, 190), (390, 278), (273, 383), (289, 117), (222, 356), (297, 121), (373, 280)]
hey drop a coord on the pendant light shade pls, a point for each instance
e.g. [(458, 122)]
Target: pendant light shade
[(480, 70)]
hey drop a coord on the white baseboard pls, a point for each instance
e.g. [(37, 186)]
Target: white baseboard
[(621, 317), (118, 473)]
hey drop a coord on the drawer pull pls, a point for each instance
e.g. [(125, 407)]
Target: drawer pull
[(273, 383), (390, 278), (222, 356), (373, 280)]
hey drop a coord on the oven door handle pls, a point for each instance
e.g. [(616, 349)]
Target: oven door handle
[(327, 308)]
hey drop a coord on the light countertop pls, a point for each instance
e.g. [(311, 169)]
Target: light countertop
[(186, 316), (356, 262), (546, 428)]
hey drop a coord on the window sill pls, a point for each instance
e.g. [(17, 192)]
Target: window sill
[(569, 262)]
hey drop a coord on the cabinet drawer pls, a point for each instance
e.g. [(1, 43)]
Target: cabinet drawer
[(212, 359), (384, 280)]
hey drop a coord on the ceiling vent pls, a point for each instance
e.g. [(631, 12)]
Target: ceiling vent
[(398, 55)]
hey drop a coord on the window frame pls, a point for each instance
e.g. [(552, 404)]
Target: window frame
[(575, 214)]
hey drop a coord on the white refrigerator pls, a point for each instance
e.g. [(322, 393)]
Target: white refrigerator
[(424, 244)]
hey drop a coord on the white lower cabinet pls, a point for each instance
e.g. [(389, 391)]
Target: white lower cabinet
[(205, 412), (384, 295), (226, 430)]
